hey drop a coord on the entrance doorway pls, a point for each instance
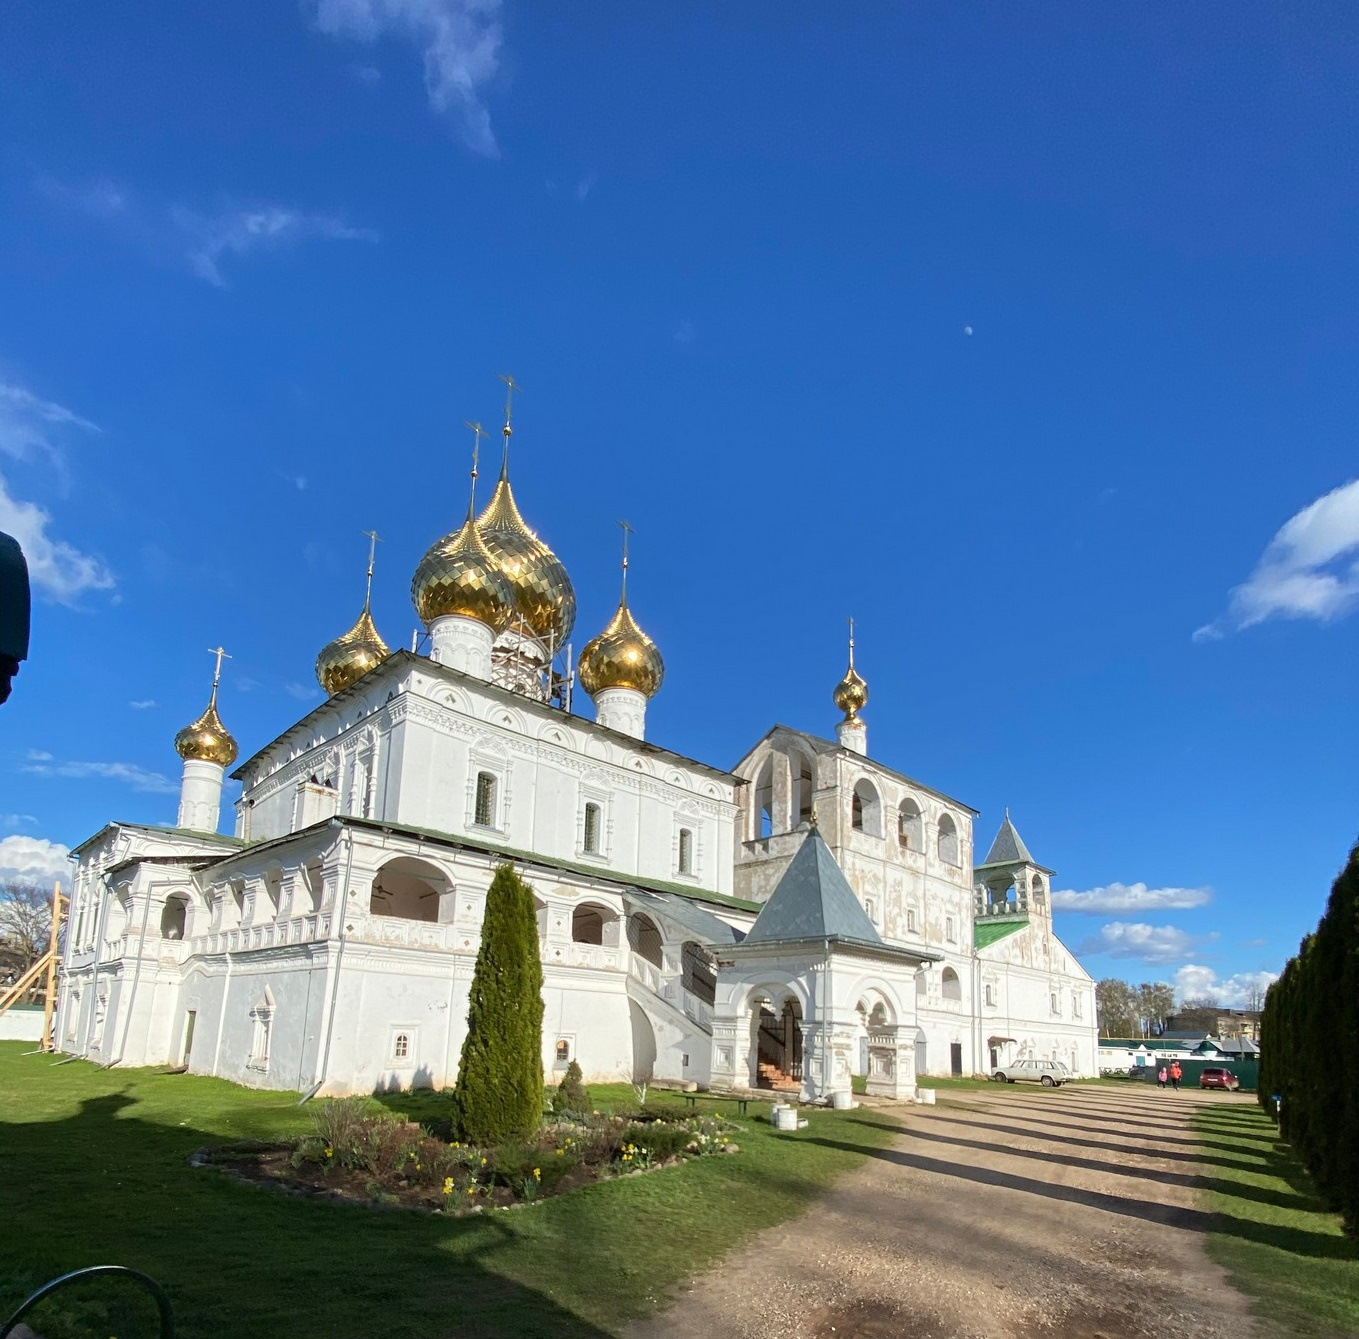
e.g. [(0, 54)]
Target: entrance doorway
[(778, 1062), (955, 1059)]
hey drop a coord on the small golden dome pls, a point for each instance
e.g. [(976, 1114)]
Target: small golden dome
[(207, 739), (458, 576), (348, 658), (543, 595), (622, 656), (851, 693)]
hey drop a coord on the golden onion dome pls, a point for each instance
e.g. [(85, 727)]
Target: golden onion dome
[(543, 595), (622, 656), (207, 739), (458, 576), (348, 658), (851, 693)]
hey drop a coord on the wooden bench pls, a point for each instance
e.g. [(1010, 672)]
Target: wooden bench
[(691, 1099)]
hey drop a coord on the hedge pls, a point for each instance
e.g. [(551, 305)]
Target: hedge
[(1309, 1042)]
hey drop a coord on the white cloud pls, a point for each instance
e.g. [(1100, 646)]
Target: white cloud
[(1116, 897), (460, 41), (145, 704), (585, 185), (43, 764), (57, 569), (238, 232), (17, 820), (27, 422), (1193, 981), (301, 691), (35, 860), (1150, 943), (1310, 569)]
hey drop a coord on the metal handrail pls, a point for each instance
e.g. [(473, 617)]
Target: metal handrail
[(167, 1316)]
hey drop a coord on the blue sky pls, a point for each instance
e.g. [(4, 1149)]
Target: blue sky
[(1025, 335)]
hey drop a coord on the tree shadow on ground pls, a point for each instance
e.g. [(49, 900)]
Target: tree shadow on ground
[(243, 1261), (1297, 1240)]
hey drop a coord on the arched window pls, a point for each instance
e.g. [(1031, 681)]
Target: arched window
[(592, 817), (804, 788), (587, 925), (764, 801), (408, 888), (484, 813), (865, 809), (401, 1046), (644, 938), (172, 919), (949, 985), (1039, 892), (948, 840), (910, 826), (686, 851)]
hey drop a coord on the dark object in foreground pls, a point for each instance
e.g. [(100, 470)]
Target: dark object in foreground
[(14, 1328), (15, 611)]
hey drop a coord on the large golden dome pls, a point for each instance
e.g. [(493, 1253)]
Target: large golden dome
[(458, 576), (851, 693), (622, 656), (207, 739), (543, 595), (348, 658)]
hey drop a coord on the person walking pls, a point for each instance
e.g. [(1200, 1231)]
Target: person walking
[(1176, 1073), (1161, 1077)]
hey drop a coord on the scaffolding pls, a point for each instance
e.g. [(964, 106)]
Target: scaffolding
[(44, 969)]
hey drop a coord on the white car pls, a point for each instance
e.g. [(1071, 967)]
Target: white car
[(1050, 1073)]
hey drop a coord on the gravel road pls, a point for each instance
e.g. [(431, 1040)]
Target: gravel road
[(1024, 1212)]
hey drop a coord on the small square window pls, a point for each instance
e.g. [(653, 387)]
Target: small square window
[(910, 921)]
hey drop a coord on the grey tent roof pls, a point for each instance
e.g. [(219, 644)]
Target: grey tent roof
[(1008, 847), (813, 900)]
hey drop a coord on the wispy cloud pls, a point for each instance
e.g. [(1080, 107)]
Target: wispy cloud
[(17, 820), (1233, 992), (58, 570), (1150, 943), (1116, 897), (34, 860), (202, 238), (585, 185), (301, 691), (144, 705), (1310, 569), (31, 426), (240, 232), (459, 40), (39, 763)]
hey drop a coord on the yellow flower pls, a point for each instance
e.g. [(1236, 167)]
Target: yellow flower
[(483, 1162), (537, 1174)]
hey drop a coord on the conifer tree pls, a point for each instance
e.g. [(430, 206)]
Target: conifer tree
[(499, 1091)]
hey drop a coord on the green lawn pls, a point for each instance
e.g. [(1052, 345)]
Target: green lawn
[(93, 1170), (1277, 1242)]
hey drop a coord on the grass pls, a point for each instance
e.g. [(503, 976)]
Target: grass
[(93, 1167), (1279, 1245)]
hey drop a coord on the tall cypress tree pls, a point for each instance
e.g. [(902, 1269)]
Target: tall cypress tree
[(499, 1091)]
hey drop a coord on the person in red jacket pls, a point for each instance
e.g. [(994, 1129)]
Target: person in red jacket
[(1176, 1074)]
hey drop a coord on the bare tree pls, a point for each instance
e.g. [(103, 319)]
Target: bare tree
[(25, 926), (1199, 1002), (1116, 1004), (1255, 997)]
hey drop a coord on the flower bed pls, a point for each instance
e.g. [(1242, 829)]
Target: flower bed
[(360, 1155)]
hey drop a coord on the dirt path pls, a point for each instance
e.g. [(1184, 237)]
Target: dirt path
[(1008, 1212)]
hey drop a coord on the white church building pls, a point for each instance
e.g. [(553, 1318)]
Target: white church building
[(808, 916)]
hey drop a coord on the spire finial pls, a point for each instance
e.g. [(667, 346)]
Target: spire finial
[(851, 642), (511, 389), (477, 435), (216, 672), (627, 530), (373, 541)]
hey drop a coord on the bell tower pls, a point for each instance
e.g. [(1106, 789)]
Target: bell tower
[(1009, 882)]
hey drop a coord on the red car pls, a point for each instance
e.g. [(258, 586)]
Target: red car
[(1219, 1078)]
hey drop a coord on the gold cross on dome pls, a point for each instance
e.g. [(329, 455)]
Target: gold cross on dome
[(373, 541), (221, 656), (627, 531), (511, 390)]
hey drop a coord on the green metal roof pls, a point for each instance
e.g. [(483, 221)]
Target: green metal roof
[(988, 932)]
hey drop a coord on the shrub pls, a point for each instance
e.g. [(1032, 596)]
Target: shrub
[(661, 1140), (499, 1091), (572, 1097)]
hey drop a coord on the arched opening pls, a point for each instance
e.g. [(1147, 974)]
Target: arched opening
[(697, 975), (949, 985), (267, 910), (804, 787), (408, 889), (763, 801), (910, 826), (948, 840), (643, 1044), (922, 1053), (778, 1040), (314, 885), (174, 917), (865, 809), (587, 923), (644, 938), (1039, 892)]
